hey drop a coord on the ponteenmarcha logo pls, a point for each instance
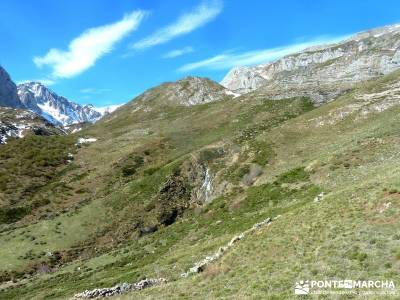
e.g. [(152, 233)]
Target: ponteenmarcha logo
[(381, 287), (302, 287)]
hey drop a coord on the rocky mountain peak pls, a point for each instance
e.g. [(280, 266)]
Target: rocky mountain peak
[(56, 109)]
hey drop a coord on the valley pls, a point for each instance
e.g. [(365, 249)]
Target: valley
[(175, 174)]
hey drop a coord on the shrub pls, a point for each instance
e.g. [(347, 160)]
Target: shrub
[(13, 214), (208, 155), (130, 164), (263, 152), (294, 175)]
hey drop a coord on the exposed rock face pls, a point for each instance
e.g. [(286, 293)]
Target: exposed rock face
[(8, 91), (383, 95), (16, 123), (243, 80), (56, 109), (323, 72), (191, 184), (188, 91)]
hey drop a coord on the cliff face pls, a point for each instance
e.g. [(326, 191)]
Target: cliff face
[(8, 91), (333, 67)]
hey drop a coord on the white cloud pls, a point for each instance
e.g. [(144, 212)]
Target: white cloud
[(178, 52), (86, 49), (45, 81), (185, 24), (230, 59)]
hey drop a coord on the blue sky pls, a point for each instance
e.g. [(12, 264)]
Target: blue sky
[(106, 52)]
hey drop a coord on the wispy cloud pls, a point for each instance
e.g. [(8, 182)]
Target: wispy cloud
[(94, 91), (229, 60), (86, 49), (178, 52), (45, 81), (185, 24)]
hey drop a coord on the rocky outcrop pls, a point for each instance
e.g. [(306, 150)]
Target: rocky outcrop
[(243, 80), (16, 123), (384, 95), (8, 91), (322, 73), (190, 185), (118, 289)]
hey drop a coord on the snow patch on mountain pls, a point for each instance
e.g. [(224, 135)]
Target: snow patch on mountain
[(16, 123), (12, 130), (104, 110), (54, 108)]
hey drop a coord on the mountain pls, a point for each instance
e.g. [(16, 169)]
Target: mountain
[(17, 123), (56, 109), (159, 193), (208, 195), (322, 72), (187, 92), (8, 91), (43, 101)]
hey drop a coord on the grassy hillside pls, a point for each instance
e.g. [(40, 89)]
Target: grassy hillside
[(134, 205)]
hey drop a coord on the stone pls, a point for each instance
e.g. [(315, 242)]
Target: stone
[(200, 266), (319, 197), (118, 289)]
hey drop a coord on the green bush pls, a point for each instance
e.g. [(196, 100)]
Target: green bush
[(263, 152), (294, 175), (236, 172), (275, 194), (130, 164), (13, 214)]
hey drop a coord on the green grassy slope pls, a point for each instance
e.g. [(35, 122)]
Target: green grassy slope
[(348, 149)]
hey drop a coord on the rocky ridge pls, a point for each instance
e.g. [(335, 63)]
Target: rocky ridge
[(378, 99), (187, 92), (325, 71)]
